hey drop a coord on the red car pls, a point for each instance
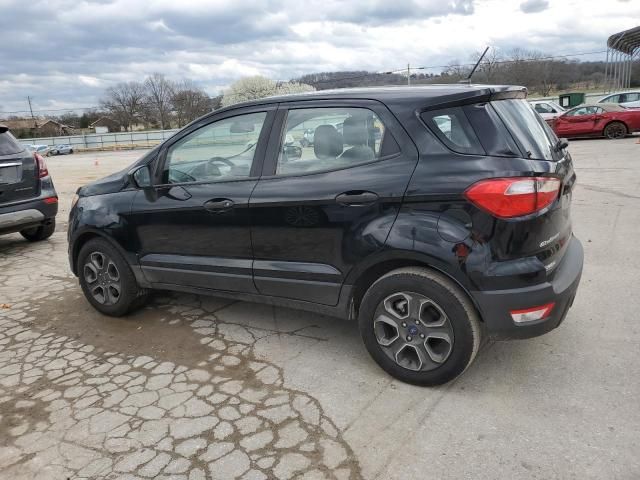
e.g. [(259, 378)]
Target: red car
[(602, 120)]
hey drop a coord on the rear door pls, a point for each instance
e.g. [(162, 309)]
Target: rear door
[(315, 216), (18, 170)]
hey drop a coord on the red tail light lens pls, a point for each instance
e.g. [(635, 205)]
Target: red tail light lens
[(514, 197), (41, 164)]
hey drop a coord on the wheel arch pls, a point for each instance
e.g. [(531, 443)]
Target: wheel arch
[(363, 277), (81, 239), (615, 121)]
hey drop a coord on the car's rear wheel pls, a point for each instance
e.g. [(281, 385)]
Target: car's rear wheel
[(615, 130), (419, 326), (42, 232), (107, 280)]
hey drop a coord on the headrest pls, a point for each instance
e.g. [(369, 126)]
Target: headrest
[(355, 131), (327, 142)]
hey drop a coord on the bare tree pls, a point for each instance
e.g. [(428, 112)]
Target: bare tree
[(159, 92), (251, 88), (189, 102), (124, 102)]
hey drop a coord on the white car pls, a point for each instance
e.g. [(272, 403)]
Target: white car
[(626, 99), (547, 109)]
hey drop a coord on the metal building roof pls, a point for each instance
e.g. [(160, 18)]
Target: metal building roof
[(627, 41)]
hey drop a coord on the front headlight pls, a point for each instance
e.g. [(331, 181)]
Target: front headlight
[(74, 200)]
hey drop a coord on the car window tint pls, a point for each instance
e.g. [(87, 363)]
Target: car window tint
[(453, 128), (529, 129), (317, 139), (9, 145), (218, 151), (491, 131)]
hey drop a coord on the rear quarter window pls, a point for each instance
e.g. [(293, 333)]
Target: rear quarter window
[(9, 145), (452, 127)]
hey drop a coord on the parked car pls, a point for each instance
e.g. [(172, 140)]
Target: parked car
[(61, 150), (28, 200), (453, 227), (547, 109), (42, 150), (626, 99), (600, 120)]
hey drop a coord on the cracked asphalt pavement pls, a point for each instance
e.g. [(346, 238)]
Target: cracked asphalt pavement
[(199, 387)]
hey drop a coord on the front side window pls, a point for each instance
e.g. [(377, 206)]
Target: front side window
[(318, 139), (222, 150), (611, 99)]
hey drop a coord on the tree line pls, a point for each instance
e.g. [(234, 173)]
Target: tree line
[(540, 73)]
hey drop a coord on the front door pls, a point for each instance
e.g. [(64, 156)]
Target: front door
[(317, 213), (192, 228), (577, 122)]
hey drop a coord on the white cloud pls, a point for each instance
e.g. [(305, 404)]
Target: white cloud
[(67, 52)]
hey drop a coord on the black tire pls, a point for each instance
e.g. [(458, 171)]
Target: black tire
[(42, 232), (71, 151), (615, 130), (130, 295), (461, 317)]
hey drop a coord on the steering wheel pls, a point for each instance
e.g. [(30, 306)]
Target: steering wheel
[(222, 160)]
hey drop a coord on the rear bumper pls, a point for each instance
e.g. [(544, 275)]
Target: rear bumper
[(33, 213), (495, 305)]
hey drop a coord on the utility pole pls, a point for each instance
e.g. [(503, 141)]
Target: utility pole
[(35, 123)]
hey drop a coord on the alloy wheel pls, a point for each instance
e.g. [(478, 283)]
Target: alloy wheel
[(102, 278), (413, 331), (615, 130)]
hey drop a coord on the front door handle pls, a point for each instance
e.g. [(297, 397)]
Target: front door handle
[(218, 205), (357, 198)]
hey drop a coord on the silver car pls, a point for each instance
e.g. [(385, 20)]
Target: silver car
[(61, 150), (626, 99), (547, 109)]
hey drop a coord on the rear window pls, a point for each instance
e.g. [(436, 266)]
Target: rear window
[(9, 145), (527, 128)]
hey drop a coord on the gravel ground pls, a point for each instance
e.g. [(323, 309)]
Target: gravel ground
[(198, 387)]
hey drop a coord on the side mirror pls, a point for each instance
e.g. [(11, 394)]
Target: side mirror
[(141, 176), (562, 143)]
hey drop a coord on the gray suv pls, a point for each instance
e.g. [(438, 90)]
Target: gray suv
[(28, 200)]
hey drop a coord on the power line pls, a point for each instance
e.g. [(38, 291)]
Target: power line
[(351, 77)]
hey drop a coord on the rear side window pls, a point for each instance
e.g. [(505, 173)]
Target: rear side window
[(9, 145), (453, 128), (527, 128)]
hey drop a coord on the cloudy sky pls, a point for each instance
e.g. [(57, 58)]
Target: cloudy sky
[(64, 53)]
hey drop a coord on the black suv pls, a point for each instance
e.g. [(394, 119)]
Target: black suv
[(28, 201), (438, 215)]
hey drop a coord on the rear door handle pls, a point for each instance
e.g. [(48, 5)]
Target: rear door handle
[(357, 198), (218, 205)]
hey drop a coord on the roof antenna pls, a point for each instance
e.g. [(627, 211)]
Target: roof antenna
[(468, 79)]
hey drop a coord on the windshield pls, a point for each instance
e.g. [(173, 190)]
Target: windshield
[(527, 128)]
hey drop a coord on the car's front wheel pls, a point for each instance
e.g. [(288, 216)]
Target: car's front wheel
[(107, 280), (419, 326)]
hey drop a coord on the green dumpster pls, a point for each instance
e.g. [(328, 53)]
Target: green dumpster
[(569, 100)]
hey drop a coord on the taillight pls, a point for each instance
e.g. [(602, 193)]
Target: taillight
[(514, 197), (41, 164)]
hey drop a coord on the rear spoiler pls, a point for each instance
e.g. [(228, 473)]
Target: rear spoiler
[(477, 94), (4, 129)]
